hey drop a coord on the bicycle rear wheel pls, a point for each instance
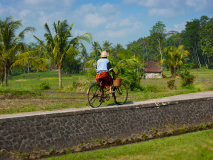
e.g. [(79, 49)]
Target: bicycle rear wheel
[(94, 95), (121, 94)]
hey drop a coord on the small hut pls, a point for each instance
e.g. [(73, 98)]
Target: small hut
[(153, 69)]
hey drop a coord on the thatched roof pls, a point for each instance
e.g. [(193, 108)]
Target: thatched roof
[(152, 67)]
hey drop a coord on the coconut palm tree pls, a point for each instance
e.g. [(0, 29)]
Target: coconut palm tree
[(107, 46), (62, 43), (173, 58), (84, 55), (10, 44), (96, 49)]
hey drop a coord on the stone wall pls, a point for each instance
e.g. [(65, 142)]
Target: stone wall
[(64, 130)]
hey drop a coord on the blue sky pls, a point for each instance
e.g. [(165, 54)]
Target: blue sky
[(118, 21)]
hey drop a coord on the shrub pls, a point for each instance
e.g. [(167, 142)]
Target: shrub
[(45, 85), (171, 84), (132, 79), (187, 78), (91, 73)]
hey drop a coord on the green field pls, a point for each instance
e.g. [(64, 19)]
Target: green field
[(192, 146), (25, 90)]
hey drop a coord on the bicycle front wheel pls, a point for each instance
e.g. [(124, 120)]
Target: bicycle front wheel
[(94, 95), (121, 94)]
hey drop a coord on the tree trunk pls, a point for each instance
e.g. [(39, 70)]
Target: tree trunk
[(206, 61), (28, 67), (174, 73), (5, 75), (59, 77), (2, 77), (197, 55)]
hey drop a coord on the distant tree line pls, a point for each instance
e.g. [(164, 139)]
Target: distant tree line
[(192, 46)]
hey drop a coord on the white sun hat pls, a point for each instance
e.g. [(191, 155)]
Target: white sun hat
[(104, 54)]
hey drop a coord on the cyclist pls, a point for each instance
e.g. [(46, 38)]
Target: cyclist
[(103, 69)]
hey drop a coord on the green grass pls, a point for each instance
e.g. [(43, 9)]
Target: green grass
[(25, 90), (197, 145)]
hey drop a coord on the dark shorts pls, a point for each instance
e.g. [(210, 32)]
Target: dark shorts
[(107, 78)]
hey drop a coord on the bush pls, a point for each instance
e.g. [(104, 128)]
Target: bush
[(171, 84), (187, 78), (91, 73), (132, 79), (45, 86)]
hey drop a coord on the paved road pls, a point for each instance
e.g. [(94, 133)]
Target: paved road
[(189, 96), (206, 94)]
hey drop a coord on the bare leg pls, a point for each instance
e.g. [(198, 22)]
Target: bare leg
[(110, 89)]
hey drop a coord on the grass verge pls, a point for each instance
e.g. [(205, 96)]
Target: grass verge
[(197, 145)]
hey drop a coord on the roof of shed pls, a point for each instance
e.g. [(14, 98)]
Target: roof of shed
[(152, 67)]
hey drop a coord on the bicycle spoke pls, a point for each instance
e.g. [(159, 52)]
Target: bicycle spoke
[(121, 94), (94, 95)]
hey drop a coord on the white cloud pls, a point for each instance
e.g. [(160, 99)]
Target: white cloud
[(46, 4), (125, 22), (177, 27), (165, 12), (198, 4), (78, 32), (92, 16), (123, 32), (180, 27), (107, 9), (155, 3), (112, 24), (171, 8), (24, 13), (117, 34), (94, 20)]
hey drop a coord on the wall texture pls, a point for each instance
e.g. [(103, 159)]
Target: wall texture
[(65, 130)]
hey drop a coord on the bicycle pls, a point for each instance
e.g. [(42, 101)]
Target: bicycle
[(97, 94)]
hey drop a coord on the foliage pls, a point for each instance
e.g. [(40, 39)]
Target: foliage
[(194, 38), (157, 36), (206, 43), (61, 44), (173, 39), (187, 78), (174, 57), (96, 50), (107, 46), (45, 85), (171, 84), (131, 68), (11, 45), (136, 50)]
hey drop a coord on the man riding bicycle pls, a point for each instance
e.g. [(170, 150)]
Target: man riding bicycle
[(103, 69)]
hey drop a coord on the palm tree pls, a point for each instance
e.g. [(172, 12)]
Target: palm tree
[(10, 44), (107, 46), (117, 48), (173, 58), (84, 55), (62, 44), (96, 49), (32, 57)]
